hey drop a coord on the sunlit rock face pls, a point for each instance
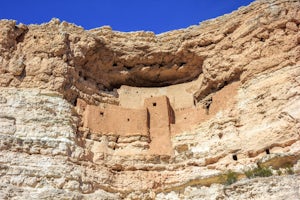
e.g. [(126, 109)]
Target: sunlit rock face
[(206, 112)]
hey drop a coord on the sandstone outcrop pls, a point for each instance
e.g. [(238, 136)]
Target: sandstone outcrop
[(187, 114)]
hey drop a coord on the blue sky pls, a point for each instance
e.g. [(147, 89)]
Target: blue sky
[(122, 15)]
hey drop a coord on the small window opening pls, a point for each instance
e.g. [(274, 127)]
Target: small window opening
[(185, 118), (267, 151), (128, 119), (207, 105), (74, 101), (115, 65), (85, 78), (154, 104), (220, 135), (234, 157), (127, 67), (101, 114)]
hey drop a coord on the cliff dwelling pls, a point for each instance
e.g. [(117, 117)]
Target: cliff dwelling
[(157, 113), (206, 112)]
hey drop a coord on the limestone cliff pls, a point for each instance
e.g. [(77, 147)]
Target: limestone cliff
[(206, 112)]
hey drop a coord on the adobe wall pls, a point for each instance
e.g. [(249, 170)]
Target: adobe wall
[(186, 118), (180, 95), (160, 116), (224, 98), (159, 111), (115, 120), (156, 118)]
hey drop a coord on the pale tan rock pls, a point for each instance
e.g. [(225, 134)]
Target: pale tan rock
[(223, 95)]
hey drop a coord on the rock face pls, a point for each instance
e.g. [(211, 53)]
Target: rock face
[(207, 112)]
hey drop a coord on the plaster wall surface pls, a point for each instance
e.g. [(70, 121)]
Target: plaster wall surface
[(180, 95), (157, 118), (116, 120), (187, 118), (48, 150), (158, 108), (160, 117)]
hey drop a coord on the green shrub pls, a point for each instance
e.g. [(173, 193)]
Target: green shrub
[(279, 172), (230, 177), (259, 172)]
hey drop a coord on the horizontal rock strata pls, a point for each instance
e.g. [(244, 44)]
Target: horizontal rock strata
[(100, 114)]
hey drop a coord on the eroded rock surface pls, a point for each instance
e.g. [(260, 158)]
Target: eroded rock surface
[(101, 114)]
